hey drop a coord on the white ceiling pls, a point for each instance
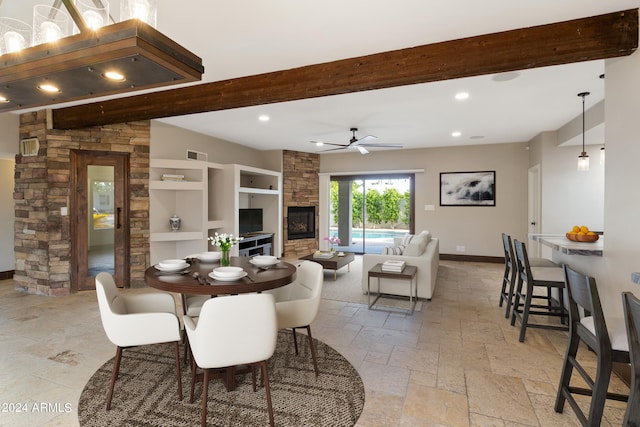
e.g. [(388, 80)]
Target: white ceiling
[(239, 38)]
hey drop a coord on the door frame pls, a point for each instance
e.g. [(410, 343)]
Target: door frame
[(80, 160), (534, 211)]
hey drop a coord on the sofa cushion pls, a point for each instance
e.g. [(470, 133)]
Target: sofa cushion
[(416, 247), (406, 239), (393, 250), (426, 235)]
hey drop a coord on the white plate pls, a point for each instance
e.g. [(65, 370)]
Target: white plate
[(209, 256), (231, 272), (226, 279), (263, 261), (175, 264), (171, 269)]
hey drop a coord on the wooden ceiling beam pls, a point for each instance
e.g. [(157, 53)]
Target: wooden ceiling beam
[(599, 37)]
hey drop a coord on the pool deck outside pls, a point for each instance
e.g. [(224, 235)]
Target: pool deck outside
[(373, 245)]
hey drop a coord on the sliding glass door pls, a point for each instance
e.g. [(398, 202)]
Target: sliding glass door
[(368, 212)]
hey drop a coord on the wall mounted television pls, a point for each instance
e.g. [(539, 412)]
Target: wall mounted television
[(249, 221)]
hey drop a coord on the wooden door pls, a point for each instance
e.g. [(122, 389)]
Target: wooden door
[(99, 217)]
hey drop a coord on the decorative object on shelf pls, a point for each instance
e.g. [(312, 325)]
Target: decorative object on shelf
[(333, 242), (583, 158), (224, 241), (175, 222)]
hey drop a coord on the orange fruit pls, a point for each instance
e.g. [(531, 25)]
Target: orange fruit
[(575, 229), (584, 229)]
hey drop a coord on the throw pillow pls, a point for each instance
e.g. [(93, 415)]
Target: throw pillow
[(392, 250), (416, 247), (406, 239)]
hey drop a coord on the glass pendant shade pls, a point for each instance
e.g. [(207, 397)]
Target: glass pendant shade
[(94, 16), (583, 162), (50, 24), (15, 35), (583, 158), (144, 10)]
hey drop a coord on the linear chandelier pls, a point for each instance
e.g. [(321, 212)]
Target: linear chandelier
[(77, 52)]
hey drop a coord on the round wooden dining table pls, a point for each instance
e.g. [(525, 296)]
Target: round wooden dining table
[(256, 280)]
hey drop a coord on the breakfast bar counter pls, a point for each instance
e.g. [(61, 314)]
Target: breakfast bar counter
[(560, 243)]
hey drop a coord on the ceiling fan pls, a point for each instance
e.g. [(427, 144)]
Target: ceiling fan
[(360, 143)]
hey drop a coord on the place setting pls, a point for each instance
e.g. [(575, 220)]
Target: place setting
[(173, 266), (265, 262), (228, 274)]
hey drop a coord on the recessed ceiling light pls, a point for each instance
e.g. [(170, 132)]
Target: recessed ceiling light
[(456, 133), (462, 95), (264, 118), (114, 75), (3, 99), (48, 87)]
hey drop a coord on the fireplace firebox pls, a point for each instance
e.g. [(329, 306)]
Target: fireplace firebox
[(301, 222)]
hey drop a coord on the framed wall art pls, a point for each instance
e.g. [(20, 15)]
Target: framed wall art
[(468, 188)]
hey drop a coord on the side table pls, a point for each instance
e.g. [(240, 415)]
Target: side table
[(408, 273)]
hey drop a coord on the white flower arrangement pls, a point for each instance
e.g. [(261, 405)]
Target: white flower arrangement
[(224, 241)]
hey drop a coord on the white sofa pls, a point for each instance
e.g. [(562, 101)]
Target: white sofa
[(422, 251)]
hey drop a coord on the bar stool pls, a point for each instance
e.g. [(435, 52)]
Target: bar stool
[(529, 278), (631, 307), (510, 272), (608, 343)]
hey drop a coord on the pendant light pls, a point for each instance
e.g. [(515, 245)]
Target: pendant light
[(583, 158)]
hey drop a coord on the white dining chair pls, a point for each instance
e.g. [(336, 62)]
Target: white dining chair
[(135, 320), (297, 303), (233, 330), (191, 306)]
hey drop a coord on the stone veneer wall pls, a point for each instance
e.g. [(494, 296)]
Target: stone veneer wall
[(301, 187), (42, 186)]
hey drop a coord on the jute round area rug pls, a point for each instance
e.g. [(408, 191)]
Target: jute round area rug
[(146, 391)]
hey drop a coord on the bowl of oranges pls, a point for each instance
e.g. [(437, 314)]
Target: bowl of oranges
[(581, 233)]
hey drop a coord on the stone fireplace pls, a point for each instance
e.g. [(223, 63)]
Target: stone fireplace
[(301, 222), (300, 185)]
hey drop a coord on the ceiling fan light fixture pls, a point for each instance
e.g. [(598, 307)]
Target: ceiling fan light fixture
[(362, 149)]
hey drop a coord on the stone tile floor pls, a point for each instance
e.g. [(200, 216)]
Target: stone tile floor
[(457, 362)]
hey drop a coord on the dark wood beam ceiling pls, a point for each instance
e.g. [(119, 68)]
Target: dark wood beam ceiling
[(599, 37)]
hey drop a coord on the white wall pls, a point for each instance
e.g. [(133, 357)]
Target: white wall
[(170, 142), (478, 229), (570, 197), (622, 174)]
